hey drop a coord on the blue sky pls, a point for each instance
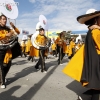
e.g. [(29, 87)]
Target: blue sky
[(61, 14)]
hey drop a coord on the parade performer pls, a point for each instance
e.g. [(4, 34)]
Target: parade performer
[(5, 53), (28, 45), (59, 42), (78, 45), (65, 47), (9, 45), (71, 48), (54, 48), (33, 53), (41, 40), (23, 48), (86, 68)]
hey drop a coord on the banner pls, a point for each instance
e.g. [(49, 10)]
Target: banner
[(52, 34)]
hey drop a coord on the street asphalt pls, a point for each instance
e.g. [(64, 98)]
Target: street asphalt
[(24, 82)]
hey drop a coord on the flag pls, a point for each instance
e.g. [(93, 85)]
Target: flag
[(25, 32)]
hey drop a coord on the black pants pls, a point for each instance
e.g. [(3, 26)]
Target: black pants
[(31, 58), (23, 53), (2, 70), (73, 52), (61, 54), (54, 53), (41, 61)]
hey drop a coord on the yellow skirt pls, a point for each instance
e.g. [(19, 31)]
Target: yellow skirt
[(34, 52), (75, 66)]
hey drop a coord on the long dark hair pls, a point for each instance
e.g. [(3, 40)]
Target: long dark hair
[(91, 22)]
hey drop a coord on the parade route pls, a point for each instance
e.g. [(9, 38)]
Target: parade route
[(24, 82)]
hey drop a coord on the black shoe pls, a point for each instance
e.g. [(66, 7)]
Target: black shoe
[(42, 71), (28, 59), (37, 69), (32, 60), (58, 63)]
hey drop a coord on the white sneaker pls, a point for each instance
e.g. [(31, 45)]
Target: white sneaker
[(45, 72), (3, 86), (61, 64), (79, 98), (37, 69)]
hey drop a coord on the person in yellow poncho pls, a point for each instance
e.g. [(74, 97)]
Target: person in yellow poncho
[(6, 54), (59, 42), (54, 47), (84, 66), (33, 53), (65, 47), (78, 45), (41, 40), (28, 45), (23, 47), (71, 48)]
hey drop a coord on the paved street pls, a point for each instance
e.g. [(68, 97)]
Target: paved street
[(25, 83)]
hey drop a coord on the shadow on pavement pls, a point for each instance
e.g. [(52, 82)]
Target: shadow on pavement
[(31, 92), (7, 95), (34, 89), (50, 64), (65, 60), (76, 87), (19, 62), (23, 73)]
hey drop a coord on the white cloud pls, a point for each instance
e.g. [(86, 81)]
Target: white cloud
[(61, 14), (32, 1)]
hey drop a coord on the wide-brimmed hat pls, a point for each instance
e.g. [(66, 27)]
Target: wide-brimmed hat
[(91, 13)]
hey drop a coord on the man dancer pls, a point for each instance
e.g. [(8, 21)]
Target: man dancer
[(6, 54), (41, 40), (59, 42)]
